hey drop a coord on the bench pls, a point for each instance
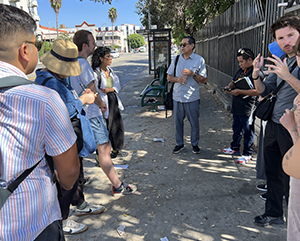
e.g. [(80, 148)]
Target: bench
[(155, 92)]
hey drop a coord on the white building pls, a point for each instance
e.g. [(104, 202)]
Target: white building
[(121, 33), (29, 6), (84, 26), (109, 37), (50, 34)]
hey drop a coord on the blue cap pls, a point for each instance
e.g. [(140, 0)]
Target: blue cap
[(275, 49)]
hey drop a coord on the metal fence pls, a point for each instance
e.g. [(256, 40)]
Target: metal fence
[(246, 24)]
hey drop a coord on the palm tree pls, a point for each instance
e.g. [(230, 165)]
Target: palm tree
[(112, 14), (56, 5)]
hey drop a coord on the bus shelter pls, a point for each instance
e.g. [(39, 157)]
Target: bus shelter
[(159, 50)]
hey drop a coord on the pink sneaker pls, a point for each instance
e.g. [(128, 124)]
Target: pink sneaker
[(244, 159)]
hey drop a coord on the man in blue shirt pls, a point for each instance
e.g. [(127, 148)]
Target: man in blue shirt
[(190, 71)]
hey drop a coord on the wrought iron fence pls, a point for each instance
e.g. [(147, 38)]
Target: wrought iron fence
[(246, 24)]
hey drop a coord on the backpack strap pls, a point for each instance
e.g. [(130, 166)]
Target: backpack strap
[(12, 81), (46, 80), (176, 61), (13, 186)]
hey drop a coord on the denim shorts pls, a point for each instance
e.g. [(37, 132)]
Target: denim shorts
[(99, 129)]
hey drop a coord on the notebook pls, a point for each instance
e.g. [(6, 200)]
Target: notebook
[(244, 83)]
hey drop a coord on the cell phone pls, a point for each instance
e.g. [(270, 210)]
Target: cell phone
[(226, 89)]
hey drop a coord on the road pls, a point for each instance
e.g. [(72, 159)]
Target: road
[(127, 66)]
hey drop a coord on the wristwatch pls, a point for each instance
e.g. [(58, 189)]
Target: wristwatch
[(194, 75)]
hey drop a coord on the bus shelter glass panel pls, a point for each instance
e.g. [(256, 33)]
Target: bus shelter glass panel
[(161, 53)]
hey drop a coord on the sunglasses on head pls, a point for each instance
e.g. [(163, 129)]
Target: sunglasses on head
[(242, 51), (38, 44), (183, 45)]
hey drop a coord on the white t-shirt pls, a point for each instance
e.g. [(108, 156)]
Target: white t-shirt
[(86, 76)]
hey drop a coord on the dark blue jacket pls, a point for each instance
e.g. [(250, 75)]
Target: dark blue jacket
[(74, 107)]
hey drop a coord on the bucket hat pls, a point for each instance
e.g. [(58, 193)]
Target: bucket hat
[(62, 58)]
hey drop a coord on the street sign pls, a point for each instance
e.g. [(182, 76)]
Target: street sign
[(143, 31)]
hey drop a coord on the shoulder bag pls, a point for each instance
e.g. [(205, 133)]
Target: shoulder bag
[(169, 95)]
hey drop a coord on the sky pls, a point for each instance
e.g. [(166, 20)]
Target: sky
[(74, 12)]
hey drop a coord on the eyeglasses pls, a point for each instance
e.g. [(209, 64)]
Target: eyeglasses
[(242, 51), (37, 44), (183, 45)]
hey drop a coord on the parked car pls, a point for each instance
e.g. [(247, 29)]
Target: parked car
[(136, 50), (114, 54), (142, 49)]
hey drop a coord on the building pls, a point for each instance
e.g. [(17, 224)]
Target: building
[(50, 34), (120, 34), (29, 6), (110, 37)]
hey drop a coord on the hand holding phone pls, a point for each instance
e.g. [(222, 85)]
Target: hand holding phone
[(226, 89)]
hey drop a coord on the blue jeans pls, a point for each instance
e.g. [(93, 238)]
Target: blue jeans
[(191, 111), (240, 125), (99, 129)]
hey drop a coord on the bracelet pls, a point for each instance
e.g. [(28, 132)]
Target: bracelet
[(255, 78)]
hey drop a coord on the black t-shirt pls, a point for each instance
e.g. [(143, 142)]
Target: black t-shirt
[(241, 106)]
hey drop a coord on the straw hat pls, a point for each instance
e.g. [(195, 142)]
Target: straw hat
[(62, 59)]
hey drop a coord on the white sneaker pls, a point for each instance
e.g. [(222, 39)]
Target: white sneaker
[(90, 209), (244, 159), (72, 227), (229, 151)]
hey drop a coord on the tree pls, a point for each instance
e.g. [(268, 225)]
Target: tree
[(65, 36), (101, 1), (56, 5), (136, 40), (112, 14), (183, 16)]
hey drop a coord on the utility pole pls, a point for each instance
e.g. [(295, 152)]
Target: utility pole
[(149, 15), (49, 32)]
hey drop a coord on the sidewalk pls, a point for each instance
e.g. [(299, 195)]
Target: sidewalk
[(181, 196)]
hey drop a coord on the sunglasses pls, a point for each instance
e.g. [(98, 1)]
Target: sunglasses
[(183, 45), (38, 44), (242, 51)]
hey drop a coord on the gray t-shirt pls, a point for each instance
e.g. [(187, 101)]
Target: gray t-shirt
[(286, 94), (188, 92)]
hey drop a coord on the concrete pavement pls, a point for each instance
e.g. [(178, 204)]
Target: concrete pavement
[(183, 196)]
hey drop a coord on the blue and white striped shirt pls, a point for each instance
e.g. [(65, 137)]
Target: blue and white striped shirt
[(33, 120)]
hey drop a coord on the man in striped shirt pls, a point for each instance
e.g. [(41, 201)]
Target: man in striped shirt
[(33, 121)]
